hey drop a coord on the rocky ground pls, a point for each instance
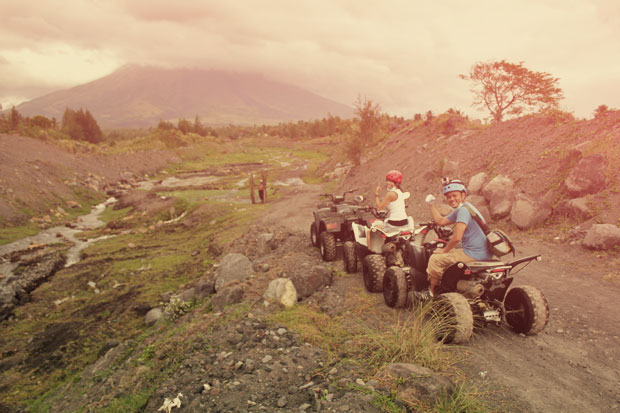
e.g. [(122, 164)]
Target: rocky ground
[(239, 358)]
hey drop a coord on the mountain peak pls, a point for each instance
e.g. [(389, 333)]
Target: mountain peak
[(135, 95)]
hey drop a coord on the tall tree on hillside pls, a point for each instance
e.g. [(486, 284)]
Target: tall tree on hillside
[(368, 116), (505, 88)]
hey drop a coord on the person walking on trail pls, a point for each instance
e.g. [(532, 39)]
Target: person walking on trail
[(466, 230), (393, 201), (261, 191)]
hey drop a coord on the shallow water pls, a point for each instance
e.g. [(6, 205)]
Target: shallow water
[(51, 235)]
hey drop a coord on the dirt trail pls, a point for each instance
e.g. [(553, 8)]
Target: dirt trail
[(572, 365)]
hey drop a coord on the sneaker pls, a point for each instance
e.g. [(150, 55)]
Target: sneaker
[(423, 296)]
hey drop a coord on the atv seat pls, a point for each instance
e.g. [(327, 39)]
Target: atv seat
[(476, 265)]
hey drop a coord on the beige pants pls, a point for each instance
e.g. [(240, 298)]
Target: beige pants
[(438, 263)]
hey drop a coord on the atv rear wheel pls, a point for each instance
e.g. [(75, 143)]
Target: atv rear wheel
[(349, 257), (327, 245), (313, 238), (373, 268), (527, 310), (452, 315), (395, 287)]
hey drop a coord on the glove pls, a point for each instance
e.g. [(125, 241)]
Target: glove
[(430, 199)]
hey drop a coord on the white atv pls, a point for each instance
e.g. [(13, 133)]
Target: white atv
[(379, 248)]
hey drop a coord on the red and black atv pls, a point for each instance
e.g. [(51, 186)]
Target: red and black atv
[(474, 293)]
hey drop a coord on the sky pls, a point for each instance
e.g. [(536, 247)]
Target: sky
[(404, 55)]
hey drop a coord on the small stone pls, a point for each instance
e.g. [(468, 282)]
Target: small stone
[(266, 359), (559, 330), (360, 382), (304, 407), (282, 401), (333, 371), (282, 331)]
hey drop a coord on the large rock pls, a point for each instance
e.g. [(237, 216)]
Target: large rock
[(500, 205), (153, 316), (527, 212), (500, 194), (587, 177), (264, 244), (282, 291), (500, 185), (229, 294), (602, 237), (307, 283), (233, 267), (575, 208), (416, 382), (476, 183)]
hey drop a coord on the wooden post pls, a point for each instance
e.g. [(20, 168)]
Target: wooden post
[(264, 178), (252, 188)]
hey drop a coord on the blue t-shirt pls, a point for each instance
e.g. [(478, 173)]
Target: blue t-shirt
[(474, 241)]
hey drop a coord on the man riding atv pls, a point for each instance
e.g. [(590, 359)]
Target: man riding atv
[(466, 231)]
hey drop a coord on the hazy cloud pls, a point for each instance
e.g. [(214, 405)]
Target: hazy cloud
[(405, 56)]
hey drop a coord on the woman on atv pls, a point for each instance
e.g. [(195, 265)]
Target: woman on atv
[(467, 231), (393, 201)]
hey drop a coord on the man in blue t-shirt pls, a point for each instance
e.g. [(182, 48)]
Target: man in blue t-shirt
[(466, 230)]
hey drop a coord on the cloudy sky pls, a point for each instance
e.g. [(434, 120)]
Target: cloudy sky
[(405, 55)]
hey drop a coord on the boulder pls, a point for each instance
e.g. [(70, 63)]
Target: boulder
[(264, 244), (575, 208), (230, 294), (476, 200), (204, 287), (153, 316), (233, 267), (307, 283), (527, 212), (500, 205), (587, 177), (282, 291), (602, 237), (499, 192), (416, 382), (476, 183), (498, 186)]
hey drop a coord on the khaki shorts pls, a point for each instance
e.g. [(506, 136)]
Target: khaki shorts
[(438, 263)]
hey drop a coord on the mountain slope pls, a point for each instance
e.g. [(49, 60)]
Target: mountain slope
[(141, 96)]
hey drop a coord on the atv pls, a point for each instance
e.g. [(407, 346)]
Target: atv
[(332, 226), (378, 248), (474, 293)]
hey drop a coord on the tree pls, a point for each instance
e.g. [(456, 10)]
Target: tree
[(80, 125), (505, 88), (368, 115)]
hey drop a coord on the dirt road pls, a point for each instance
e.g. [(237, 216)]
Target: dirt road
[(573, 365)]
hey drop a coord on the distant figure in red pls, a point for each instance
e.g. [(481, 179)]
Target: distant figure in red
[(261, 191)]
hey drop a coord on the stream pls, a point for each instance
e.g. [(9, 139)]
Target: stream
[(51, 235)]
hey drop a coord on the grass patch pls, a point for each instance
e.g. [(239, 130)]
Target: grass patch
[(10, 234), (403, 337)]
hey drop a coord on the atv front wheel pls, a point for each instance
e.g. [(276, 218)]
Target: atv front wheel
[(313, 238), (527, 310), (349, 257), (395, 287), (327, 245), (373, 268), (452, 315)]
